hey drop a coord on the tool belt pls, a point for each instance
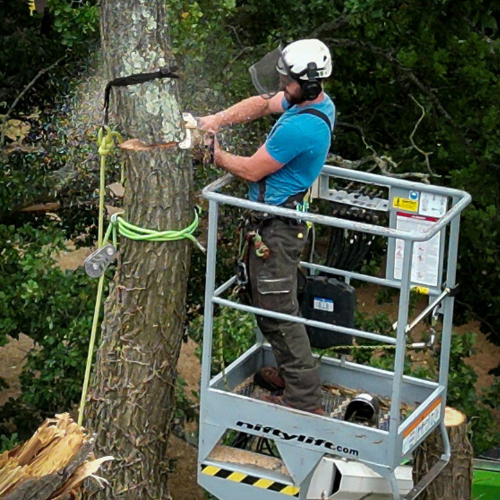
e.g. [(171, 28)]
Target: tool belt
[(250, 228), (294, 202)]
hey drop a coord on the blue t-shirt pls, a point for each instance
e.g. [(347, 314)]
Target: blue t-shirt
[(301, 143)]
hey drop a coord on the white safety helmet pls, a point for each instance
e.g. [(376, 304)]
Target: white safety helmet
[(305, 61), (303, 54)]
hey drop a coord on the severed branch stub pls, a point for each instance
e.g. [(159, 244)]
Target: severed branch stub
[(455, 480), (52, 465), (138, 145)]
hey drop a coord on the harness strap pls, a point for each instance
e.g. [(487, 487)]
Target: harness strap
[(134, 80), (318, 113), (262, 190)]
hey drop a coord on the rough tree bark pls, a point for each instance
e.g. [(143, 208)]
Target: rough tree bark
[(455, 480), (132, 393)]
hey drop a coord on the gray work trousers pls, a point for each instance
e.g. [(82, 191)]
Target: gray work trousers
[(274, 287)]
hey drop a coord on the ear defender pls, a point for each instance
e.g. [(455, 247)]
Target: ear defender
[(311, 87)]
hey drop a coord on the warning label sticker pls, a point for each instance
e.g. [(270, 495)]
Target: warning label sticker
[(425, 265), (323, 304), (422, 425), (405, 204)]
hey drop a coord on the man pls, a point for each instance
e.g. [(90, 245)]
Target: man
[(280, 173)]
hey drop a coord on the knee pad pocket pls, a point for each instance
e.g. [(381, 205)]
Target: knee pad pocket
[(276, 293)]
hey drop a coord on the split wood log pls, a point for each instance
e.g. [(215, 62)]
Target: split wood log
[(455, 480), (51, 465)]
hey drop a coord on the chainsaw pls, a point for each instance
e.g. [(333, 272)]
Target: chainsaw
[(194, 137)]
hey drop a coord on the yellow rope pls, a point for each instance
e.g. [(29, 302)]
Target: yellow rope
[(106, 144), (90, 355)]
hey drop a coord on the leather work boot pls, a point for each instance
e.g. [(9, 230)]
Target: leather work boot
[(281, 401), (269, 378)]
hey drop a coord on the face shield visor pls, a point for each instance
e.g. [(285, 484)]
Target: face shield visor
[(271, 74)]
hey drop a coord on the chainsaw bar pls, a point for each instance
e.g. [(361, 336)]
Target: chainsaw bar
[(191, 138)]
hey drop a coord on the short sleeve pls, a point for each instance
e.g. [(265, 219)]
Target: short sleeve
[(285, 143)]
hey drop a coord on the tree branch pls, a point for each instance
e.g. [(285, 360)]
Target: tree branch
[(368, 47), (21, 95), (426, 155), (338, 161), (334, 25), (479, 318), (486, 38), (383, 163)]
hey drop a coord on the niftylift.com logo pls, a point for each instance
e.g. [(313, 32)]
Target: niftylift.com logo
[(301, 438)]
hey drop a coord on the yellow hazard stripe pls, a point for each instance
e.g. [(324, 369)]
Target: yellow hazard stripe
[(210, 470), (291, 490), (237, 477), (264, 483), (249, 480)]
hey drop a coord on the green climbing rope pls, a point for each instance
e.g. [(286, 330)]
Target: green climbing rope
[(133, 232)]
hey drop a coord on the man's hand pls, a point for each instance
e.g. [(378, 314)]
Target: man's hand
[(209, 123)]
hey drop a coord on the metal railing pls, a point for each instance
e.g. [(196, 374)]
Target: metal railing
[(402, 437)]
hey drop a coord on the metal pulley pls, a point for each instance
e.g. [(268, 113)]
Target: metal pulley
[(99, 260)]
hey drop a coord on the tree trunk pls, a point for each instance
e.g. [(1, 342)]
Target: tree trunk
[(455, 480), (132, 394)]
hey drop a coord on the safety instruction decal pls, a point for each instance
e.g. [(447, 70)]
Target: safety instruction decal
[(433, 205), (426, 254), (259, 482), (406, 204), (422, 424)]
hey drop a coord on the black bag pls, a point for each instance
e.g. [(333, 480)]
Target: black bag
[(330, 301)]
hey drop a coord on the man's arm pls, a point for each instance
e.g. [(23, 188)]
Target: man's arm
[(243, 111), (251, 168)]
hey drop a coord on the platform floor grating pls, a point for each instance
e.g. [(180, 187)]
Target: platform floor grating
[(334, 402)]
